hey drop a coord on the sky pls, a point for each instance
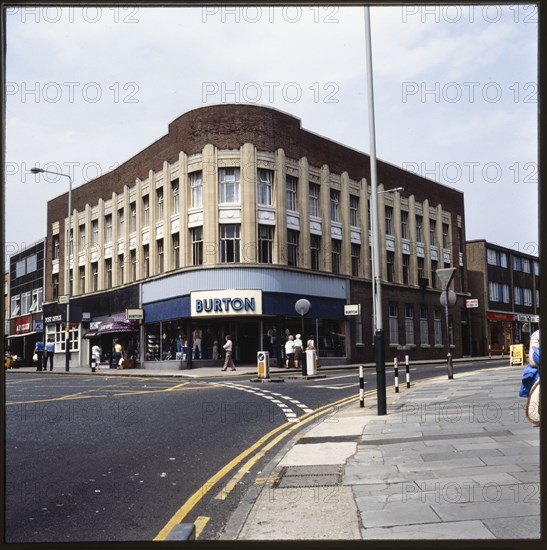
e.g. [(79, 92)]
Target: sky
[(455, 92)]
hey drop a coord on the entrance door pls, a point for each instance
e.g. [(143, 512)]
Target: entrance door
[(248, 341)]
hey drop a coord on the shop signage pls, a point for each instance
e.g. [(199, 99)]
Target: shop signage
[(352, 309), (38, 325), (500, 316), (226, 302), (53, 319), (134, 314), (473, 302), (22, 324)]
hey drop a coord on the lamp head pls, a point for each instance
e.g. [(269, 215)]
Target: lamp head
[(36, 170)]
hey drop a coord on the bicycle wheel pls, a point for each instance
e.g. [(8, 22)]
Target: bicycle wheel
[(532, 405)]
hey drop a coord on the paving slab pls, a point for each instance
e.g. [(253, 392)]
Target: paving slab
[(456, 530)]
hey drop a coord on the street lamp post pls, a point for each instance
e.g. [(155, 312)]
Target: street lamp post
[(379, 353), (448, 299), (69, 253)]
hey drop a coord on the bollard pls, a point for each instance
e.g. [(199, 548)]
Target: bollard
[(93, 364), (396, 366), (361, 388), (407, 366)]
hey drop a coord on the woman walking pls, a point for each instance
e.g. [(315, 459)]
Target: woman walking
[(228, 349)]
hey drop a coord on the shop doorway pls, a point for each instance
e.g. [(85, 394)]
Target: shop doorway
[(248, 341)]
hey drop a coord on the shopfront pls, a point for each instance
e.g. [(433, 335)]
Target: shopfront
[(190, 328), (500, 332), (28, 330)]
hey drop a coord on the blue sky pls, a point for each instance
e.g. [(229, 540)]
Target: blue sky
[(455, 93)]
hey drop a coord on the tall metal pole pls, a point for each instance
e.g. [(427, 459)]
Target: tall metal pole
[(379, 353), (69, 253)]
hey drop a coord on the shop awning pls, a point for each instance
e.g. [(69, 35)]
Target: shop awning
[(90, 334), (117, 323)]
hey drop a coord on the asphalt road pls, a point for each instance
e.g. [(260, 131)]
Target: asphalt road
[(110, 459)]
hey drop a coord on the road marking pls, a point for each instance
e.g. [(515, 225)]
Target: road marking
[(336, 387), (172, 388), (200, 523), (285, 430)]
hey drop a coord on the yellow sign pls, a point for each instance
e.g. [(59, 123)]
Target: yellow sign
[(517, 355)]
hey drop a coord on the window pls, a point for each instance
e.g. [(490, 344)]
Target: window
[(390, 259), (409, 324), (175, 196), (314, 199), (265, 243), (421, 269), (432, 232), (26, 302), (404, 224), (197, 245), (15, 305), (419, 224), (495, 257), (108, 272), (196, 190), (133, 216), (20, 268), (37, 296), (175, 243), (264, 183), (335, 205), (290, 192), (536, 268), (161, 256), (229, 186), (446, 243), (108, 228), (95, 230), (506, 294), (393, 324), (32, 264), (57, 333), (355, 259), (434, 267), (133, 258), (229, 243), (145, 211), (336, 255), (121, 221), (121, 269), (359, 330), (525, 265), (94, 276), (292, 247), (55, 286), (406, 266), (81, 233), (354, 210), (388, 214), (81, 279), (315, 251), (527, 297), (424, 328), (146, 260), (437, 327), (56, 247), (159, 204), (494, 292)]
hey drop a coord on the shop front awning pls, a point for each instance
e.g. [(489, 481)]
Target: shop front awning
[(90, 334), (117, 323)]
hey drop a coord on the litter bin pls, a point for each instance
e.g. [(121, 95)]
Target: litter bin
[(263, 364), (311, 362), (517, 355)]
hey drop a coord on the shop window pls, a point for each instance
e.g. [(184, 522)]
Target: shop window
[(57, 333), (290, 193), (264, 184), (229, 243)]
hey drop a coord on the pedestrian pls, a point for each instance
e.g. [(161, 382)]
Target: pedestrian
[(289, 351), (118, 355), (49, 353), (228, 346), (297, 350), (310, 344), (96, 354), (530, 374), (39, 352)]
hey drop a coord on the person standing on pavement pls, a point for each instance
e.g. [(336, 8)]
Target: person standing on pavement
[(297, 350), (49, 353), (289, 351), (118, 354), (96, 354), (39, 351), (228, 347)]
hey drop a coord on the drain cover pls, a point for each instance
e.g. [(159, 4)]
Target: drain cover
[(309, 476)]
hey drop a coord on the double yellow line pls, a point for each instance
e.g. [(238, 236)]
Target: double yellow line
[(261, 446)]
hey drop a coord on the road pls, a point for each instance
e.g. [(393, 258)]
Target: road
[(92, 458)]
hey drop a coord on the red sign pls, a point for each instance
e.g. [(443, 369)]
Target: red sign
[(23, 324), (500, 316)]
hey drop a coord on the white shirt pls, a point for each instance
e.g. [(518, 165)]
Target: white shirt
[(228, 345), (289, 346), (297, 343)]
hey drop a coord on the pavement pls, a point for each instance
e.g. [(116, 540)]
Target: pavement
[(452, 459)]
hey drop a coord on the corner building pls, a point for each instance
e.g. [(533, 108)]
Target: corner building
[(223, 224)]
